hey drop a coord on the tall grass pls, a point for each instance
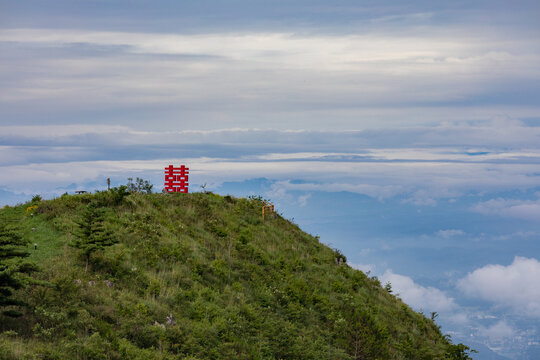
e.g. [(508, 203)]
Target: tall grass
[(200, 276)]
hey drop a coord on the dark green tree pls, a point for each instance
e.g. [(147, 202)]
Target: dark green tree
[(92, 235), (119, 193), (14, 271), (460, 352), (139, 186)]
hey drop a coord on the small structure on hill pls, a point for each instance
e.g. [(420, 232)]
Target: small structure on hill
[(268, 208)]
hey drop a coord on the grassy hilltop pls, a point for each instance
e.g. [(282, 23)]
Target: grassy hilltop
[(200, 276)]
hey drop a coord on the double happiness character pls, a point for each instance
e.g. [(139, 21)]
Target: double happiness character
[(176, 179)]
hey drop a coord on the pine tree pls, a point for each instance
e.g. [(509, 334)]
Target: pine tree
[(92, 234), (13, 270)]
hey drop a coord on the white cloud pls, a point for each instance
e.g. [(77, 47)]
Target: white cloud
[(522, 209), (500, 141), (516, 235), (255, 79), (421, 197), (402, 53), (446, 234), (276, 193), (303, 199), (497, 332), (516, 286), (376, 191), (365, 268), (419, 297)]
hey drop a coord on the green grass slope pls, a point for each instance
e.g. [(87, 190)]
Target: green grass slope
[(200, 276)]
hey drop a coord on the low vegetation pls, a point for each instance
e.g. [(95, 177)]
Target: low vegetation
[(196, 276)]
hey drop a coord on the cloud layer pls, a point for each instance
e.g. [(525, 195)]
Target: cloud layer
[(415, 163), (516, 285), (369, 79)]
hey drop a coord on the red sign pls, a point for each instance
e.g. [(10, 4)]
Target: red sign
[(176, 179)]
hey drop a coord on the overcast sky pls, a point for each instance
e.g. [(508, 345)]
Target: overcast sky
[(405, 134)]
